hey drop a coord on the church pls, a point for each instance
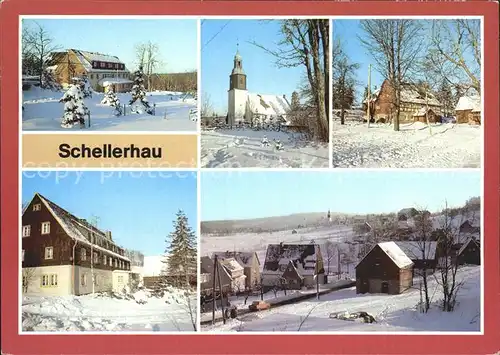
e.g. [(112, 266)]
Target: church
[(252, 108)]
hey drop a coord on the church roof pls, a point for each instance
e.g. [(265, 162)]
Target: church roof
[(269, 105)]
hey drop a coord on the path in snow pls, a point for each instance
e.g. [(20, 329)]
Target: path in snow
[(379, 146), (393, 313), (243, 149)]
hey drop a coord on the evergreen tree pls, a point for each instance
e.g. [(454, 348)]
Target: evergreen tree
[(139, 91), (112, 100), (49, 81), (85, 88), (180, 254), (74, 107), (295, 104)]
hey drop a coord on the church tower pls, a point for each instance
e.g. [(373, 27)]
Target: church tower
[(237, 93)]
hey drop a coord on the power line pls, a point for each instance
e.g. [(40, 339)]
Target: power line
[(216, 34)]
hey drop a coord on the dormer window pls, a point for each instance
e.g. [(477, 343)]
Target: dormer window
[(37, 207)]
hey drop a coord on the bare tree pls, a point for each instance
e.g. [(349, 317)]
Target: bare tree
[(148, 56), (303, 43), (39, 46), (449, 235), (394, 45), (206, 105), (330, 250), (29, 276), (455, 52)]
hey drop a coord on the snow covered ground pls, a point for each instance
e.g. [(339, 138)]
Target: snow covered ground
[(379, 146), (105, 313), (237, 148), (43, 112), (393, 313)]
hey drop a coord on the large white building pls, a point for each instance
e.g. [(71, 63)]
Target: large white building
[(244, 106)]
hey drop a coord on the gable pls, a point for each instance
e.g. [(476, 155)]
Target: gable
[(304, 257)]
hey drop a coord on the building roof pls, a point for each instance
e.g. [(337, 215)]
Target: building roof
[(469, 103), (86, 58), (244, 258), (269, 105), (422, 112), (412, 93), (110, 81), (76, 228), (419, 250), (231, 265), (303, 256), (394, 252)]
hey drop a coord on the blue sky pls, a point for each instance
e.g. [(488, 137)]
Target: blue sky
[(177, 39), (138, 207), (236, 195), (263, 76)]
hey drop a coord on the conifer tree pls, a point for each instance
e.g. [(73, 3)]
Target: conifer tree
[(74, 107), (139, 91), (112, 100), (180, 254)]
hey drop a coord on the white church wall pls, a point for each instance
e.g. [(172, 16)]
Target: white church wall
[(236, 105)]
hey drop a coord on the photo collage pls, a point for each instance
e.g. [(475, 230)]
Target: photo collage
[(190, 174)]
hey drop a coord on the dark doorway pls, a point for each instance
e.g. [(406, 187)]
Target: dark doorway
[(385, 287), (364, 286)]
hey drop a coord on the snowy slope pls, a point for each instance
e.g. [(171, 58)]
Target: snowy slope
[(43, 112), (449, 146), (393, 313), (104, 313), (243, 149)]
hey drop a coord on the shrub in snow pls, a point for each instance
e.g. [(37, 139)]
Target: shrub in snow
[(278, 145), (74, 107), (85, 87), (265, 142), (139, 92), (141, 297), (112, 100)]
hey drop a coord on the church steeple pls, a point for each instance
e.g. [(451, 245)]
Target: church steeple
[(238, 79)]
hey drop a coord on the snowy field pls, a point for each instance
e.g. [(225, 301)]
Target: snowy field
[(393, 313), (379, 146), (105, 313), (43, 112), (243, 148)]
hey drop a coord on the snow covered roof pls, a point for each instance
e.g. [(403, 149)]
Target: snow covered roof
[(469, 103), (422, 112), (419, 250), (412, 94), (111, 81), (244, 258), (269, 105), (86, 58), (303, 256), (76, 228), (153, 265), (231, 265), (396, 254)]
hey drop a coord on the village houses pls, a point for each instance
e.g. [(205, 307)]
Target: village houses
[(101, 70), (62, 253), (250, 263)]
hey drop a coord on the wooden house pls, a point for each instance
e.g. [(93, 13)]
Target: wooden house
[(385, 269), (63, 254), (307, 262), (468, 109), (469, 253), (413, 98), (236, 272), (207, 278), (99, 69), (250, 263)]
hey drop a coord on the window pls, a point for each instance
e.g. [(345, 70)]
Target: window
[(102, 65), (120, 279), (45, 227), (83, 254), (49, 253), (83, 279), (96, 258), (26, 230), (116, 262), (53, 280), (110, 261), (105, 259), (45, 280), (23, 255), (37, 207)]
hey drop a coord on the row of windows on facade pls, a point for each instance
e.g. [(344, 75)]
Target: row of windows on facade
[(50, 280), (120, 264), (104, 65), (109, 75)]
